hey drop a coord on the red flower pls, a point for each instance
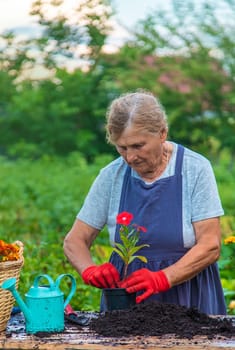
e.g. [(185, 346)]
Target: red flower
[(124, 218), (141, 228)]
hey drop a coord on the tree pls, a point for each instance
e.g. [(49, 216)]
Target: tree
[(72, 34), (194, 47), (184, 54), (58, 113)]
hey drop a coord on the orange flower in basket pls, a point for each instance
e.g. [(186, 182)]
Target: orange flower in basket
[(9, 251)]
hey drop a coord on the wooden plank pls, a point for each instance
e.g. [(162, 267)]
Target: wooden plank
[(73, 338), (81, 338), (62, 343)]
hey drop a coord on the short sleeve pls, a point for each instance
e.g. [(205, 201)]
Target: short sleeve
[(206, 201), (95, 207), (102, 201)]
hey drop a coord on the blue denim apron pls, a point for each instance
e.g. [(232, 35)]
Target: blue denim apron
[(158, 207)]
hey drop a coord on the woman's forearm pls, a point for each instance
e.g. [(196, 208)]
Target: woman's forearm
[(78, 254), (205, 252), (193, 262), (77, 245)]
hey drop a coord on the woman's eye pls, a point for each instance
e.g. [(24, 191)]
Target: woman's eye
[(133, 147), (121, 149), (138, 146)]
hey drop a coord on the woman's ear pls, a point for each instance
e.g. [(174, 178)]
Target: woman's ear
[(163, 135)]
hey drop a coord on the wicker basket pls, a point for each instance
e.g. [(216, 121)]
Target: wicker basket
[(9, 269)]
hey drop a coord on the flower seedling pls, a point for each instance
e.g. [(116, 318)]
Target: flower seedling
[(129, 236)]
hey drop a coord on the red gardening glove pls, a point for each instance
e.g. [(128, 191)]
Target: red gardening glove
[(102, 276), (144, 279)]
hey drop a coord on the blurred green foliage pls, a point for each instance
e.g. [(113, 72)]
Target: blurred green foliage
[(39, 202), (184, 54), (52, 126), (226, 265)]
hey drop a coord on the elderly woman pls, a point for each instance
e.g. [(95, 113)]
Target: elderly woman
[(171, 191)]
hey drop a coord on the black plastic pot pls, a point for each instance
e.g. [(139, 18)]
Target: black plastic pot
[(118, 299)]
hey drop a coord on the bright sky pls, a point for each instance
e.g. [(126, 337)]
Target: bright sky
[(15, 13)]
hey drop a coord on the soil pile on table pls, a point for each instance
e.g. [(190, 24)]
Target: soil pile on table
[(158, 319)]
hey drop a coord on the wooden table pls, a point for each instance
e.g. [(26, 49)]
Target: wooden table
[(81, 338)]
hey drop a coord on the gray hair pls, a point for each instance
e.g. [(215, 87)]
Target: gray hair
[(140, 108)]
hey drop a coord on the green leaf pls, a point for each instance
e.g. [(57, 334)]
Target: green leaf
[(137, 248), (140, 257), (125, 240), (119, 253), (121, 248)]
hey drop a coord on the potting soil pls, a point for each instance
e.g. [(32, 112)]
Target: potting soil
[(158, 319)]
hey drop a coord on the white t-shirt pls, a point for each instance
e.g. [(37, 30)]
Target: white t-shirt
[(200, 194)]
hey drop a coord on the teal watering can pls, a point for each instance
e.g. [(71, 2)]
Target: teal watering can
[(44, 305)]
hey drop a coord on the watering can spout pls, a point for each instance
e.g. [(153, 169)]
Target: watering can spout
[(10, 284)]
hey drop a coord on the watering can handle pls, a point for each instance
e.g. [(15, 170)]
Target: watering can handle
[(49, 279), (73, 287)]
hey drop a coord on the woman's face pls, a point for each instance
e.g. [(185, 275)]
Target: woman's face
[(141, 150)]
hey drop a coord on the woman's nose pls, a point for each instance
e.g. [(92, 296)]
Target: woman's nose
[(130, 155)]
